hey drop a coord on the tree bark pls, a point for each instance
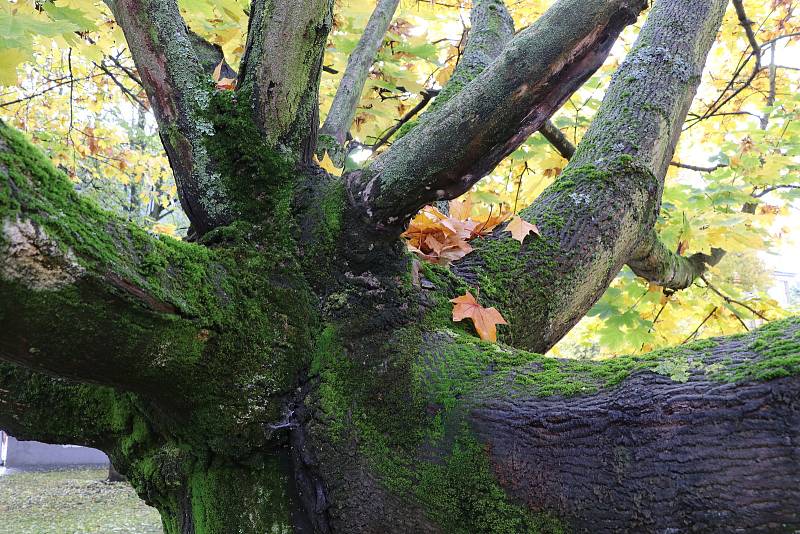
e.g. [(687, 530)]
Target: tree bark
[(699, 454), (281, 67), (454, 147), (297, 370), (600, 211)]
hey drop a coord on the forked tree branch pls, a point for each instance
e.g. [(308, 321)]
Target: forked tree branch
[(333, 133), (470, 134), (604, 205)]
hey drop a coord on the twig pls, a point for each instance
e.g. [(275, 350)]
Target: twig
[(696, 330), (747, 24), (697, 168), (773, 188), (730, 300), (427, 96), (121, 86)]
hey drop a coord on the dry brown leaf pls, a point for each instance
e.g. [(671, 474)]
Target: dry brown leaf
[(227, 84), (484, 319), (520, 228)]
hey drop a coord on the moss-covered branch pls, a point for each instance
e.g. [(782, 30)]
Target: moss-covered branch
[(681, 436), (178, 89), (453, 147), (654, 262), (44, 408), (281, 68), (429, 427), (491, 28), (602, 208), (193, 329), (86, 295)]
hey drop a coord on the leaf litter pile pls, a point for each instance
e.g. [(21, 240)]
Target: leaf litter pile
[(438, 238)]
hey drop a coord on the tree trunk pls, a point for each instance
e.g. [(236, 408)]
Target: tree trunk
[(294, 369)]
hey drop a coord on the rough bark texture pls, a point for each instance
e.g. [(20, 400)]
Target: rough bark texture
[(700, 454), (294, 369)]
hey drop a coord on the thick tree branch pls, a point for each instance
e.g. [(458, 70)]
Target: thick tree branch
[(705, 435), (204, 334), (654, 262), (604, 205), (492, 27), (281, 68), (173, 76), (452, 148), (85, 295), (44, 408), (333, 133)]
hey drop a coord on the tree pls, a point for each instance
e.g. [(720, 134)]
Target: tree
[(292, 366)]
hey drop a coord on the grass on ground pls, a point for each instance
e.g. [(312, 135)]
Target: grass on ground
[(72, 501)]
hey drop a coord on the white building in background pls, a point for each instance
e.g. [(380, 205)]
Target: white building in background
[(15, 453), (784, 282)]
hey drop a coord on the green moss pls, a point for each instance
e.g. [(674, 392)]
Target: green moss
[(462, 495), (254, 176), (400, 410), (778, 354), (244, 321), (238, 499)]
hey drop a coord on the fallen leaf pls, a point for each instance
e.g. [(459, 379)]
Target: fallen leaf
[(484, 319), (218, 71), (520, 228)]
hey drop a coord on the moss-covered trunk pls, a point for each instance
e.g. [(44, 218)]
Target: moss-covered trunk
[(294, 369)]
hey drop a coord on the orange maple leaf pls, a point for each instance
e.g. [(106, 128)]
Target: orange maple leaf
[(520, 228), (484, 319)]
